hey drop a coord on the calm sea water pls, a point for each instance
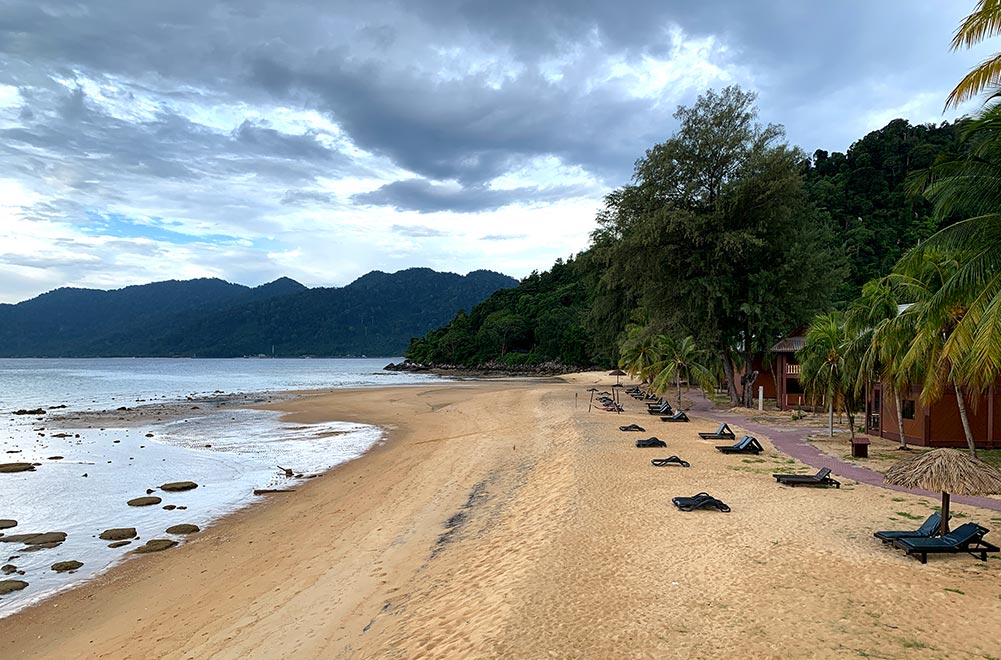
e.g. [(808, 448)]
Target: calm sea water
[(227, 451)]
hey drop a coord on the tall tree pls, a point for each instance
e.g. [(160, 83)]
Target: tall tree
[(825, 370), (682, 360), (716, 238)]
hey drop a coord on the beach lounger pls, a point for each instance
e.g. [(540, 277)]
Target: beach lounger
[(632, 427), (670, 460), (965, 538), (928, 529), (651, 442), (822, 478), (747, 445), (700, 501), (661, 409), (722, 433), (679, 416)]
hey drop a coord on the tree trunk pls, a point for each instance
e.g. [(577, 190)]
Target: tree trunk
[(728, 374), (851, 424), (900, 418), (966, 421), (678, 379), (830, 413)]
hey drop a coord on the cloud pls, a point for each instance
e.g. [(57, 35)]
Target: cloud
[(418, 231), (245, 138), (424, 196)]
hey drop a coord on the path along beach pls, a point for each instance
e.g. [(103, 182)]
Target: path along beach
[(502, 519)]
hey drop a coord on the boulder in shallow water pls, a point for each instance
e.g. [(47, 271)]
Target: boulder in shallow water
[(7, 569), (9, 586), (177, 486), (7, 524), (156, 545), (63, 566), (33, 411), (183, 529), (36, 539), (118, 533), (118, 544), (144, 501), (16, 467)]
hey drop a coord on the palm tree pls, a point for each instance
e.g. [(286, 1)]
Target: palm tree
[(639, 352), (877, 341), (969, 187), (682, 360), (823, 367), (921, 277), (982, 23)]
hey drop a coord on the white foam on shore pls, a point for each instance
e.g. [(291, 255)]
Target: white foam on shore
[(246, 448)]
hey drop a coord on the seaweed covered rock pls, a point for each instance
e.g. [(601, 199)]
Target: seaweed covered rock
[(177, 486), (10, 586), (156, 545), (144, 501), (118, 533), (183, 529), (64, 566)]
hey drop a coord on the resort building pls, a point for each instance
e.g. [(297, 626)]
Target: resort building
[(788, 393)]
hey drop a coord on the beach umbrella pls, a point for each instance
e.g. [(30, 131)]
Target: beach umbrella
[(617, 373), (949, 471)]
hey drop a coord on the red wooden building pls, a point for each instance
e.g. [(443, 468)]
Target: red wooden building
[(937, 425)]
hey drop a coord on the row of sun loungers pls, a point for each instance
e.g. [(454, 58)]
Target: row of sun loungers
[(919, 543)]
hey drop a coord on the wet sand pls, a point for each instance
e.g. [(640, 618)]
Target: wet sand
[(501, 520)]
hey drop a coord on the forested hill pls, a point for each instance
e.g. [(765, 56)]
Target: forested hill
[(376, 314), (777, 242)]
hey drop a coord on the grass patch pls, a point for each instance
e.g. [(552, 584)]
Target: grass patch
[(752, 470), (754, 460), (992, 456), (914, 644), (898, 499), (956, 591), (909, 516), (956, 514)]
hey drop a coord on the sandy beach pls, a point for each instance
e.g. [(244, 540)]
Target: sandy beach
[(502, 519)]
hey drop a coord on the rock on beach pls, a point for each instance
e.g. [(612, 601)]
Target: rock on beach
[(63, 566), (9, 586), (118, 533), (156, 545), (17, 467), (144, 501), (183, 529), (178, 486)]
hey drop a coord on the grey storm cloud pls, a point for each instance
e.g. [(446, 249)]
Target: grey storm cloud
[(427, 197)]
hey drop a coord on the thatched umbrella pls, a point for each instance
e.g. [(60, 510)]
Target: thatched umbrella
[(617, 373), (949, 471)]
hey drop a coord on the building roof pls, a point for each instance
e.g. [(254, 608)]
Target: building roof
[(789, 345)]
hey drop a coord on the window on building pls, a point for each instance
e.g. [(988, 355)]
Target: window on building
[(907, 408), (875, 401)]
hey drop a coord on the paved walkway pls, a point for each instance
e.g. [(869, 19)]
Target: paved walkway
[(792, 441)]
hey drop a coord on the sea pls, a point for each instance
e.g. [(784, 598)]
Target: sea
[(92, 459)]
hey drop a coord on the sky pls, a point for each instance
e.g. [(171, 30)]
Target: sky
[(318, 139)]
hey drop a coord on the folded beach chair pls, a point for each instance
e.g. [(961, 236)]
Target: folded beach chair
[(822, 478), (632, 427), (651, 442), (679, 416), (660, 409), (965, 538), (927, 529), (722, 433), (700, 501), (747, 445), (670, 460)]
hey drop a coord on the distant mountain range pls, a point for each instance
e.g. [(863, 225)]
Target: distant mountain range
[(376, 315)]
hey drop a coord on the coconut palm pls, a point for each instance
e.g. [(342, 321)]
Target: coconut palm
[(682, 360), (982, 23), (824, 369), (921, 277), (639, 352), (877, 343)]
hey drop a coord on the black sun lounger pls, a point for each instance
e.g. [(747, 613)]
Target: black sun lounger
[(632, 427), (822, 478), (670, 460), (928, 529), (662, 409), (700, 501), (747, 445), (679, 416), (722, 433), (651, 442), (965, 538)]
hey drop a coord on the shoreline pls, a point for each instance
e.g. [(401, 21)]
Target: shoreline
[(498, 519)]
